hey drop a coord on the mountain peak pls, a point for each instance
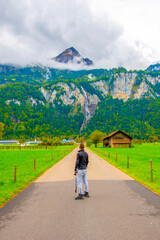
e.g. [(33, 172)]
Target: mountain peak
[(73, 49), (154, 68), (71, 55)]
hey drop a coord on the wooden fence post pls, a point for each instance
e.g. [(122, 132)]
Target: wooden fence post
[(108, 155), (34, 164), (52, 156), (127, 161), (15, 173), (151, 170)]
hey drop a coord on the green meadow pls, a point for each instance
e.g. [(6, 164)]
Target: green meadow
[(139, 162), (28, 169)]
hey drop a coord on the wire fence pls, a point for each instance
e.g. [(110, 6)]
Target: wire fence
[(19, 167), (147, 169), (31, 147)]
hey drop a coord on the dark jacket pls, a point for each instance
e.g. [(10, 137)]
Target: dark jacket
[(82, 160)]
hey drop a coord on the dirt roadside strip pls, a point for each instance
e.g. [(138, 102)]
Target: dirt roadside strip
[(119, 208), (98, 169)]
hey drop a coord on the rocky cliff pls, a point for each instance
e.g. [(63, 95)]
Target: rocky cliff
[(80, 90), (122, 85)]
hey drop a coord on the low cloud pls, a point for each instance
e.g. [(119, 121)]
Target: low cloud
[(34, 31)]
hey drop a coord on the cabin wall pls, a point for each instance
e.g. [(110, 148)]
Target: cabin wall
[(120, 145)]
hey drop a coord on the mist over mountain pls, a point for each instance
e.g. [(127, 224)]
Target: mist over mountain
[(71, 55)]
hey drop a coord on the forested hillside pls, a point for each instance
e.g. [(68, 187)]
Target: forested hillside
[(139, 118), (42, 101), (28, 115)]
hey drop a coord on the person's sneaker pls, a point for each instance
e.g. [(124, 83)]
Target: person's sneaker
[(79, 197), (86, 194)]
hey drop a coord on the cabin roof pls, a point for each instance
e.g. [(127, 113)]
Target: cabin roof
[(113, 133)]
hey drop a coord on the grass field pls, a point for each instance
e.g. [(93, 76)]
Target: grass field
[(139, 162), (23, 159)]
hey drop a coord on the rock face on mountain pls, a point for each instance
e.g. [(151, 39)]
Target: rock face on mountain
[(70, 94), (71, 55), (122, 85), (73, 92)]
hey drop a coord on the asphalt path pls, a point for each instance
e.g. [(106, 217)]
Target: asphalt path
[(119, 208)]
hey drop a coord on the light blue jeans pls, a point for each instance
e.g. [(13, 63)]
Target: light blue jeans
[(82, 175)]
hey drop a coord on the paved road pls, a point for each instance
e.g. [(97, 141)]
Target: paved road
[(119, 208)]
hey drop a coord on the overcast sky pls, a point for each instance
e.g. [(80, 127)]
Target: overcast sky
[(111, 33)]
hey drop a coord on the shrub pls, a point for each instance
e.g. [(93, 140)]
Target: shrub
[(88, 142)]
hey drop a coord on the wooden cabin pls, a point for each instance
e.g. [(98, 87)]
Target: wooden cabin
[(118, 139)]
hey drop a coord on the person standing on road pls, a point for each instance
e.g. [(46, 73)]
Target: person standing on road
[(81, 171)]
